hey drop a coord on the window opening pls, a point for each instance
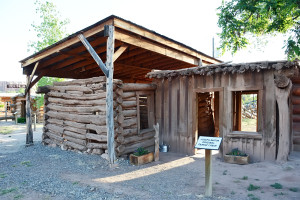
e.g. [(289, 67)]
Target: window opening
[(144, 120), (245, 111)]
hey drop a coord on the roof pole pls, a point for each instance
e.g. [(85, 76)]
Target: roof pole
[(29, 133)]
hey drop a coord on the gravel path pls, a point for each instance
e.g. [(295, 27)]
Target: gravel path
[(43, 172)]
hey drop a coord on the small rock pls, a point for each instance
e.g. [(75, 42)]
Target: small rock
[(97, 151), (105, 156)]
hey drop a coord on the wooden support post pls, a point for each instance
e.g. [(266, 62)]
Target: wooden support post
[(34, 122), (109, 31), (29, 134), (156, 151), (16, 118), (208, 173), (30, 78), (6, 111), (282, 93)]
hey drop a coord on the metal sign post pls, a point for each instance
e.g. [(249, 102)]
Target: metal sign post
[(208, 143)]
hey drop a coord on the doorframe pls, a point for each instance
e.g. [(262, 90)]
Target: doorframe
[(221, 114)]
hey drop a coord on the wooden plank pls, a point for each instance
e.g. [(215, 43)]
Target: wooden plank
[(63, 45), (156, 153), (208, 173), (119, 52), (93, 54), (140, 31), (109, 31), (30, 78), (160, 49)]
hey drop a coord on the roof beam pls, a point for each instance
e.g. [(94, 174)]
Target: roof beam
[(163, 50), (94, 54), (119, 52), (63, 45)]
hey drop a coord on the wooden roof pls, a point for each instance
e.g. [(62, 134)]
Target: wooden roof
[(225, 68), (145, 50)]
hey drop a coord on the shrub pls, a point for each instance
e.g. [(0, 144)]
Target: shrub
[(140, 151), (236, 152), (276, 186), (21, 120), (252, 187)]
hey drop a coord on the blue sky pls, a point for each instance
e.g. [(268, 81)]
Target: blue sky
[(192, 22)]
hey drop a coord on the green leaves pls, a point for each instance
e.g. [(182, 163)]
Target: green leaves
[(259, 17), (51, 29)]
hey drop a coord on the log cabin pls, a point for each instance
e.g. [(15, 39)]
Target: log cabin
[(128, 78), (109, 107)]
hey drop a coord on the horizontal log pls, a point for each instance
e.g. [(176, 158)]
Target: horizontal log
[(119, 100), (100, 138), (94, 119), (118, 109), (98, 129), (84, 97), (76, 130), (55, 128), (72, 88), (130, 99), (78, 93), (51, 141), (74, 124), (129, 104), (129, 122), (296, 118), (55, 121), (78, 109), (98, 86), (120, 149), (120, 139), (138, 87), (54, 136), (75, 140), (132, 147), (75, 135), (128, 95), (75, 146), (77, 102), (81, 81), (138, 138), (96, 145), (296, 91), (130, 131), (119, 129), (130, 113), (119, 91)]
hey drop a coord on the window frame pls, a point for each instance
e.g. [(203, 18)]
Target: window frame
[(150, 110)]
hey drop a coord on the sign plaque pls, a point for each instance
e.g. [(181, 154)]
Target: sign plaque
[(211, 143)]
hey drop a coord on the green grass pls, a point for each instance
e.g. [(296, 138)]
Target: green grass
[(294, 189), (236, 181), (19, 196), (248, 125), (252, 187), (252, 197), (75, 183), (4, 130), (6, 191), (26, 163), (2, 175), (276, 186), (225, 172), (232, 193), (245, 178)]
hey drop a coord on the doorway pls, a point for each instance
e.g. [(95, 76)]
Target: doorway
[(208, 114)]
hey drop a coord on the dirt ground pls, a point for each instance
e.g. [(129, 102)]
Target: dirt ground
[(173, 177)]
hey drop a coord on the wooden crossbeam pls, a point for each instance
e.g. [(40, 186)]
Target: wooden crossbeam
[(119, 52), (93, 54), (31, 76), (163, 50)]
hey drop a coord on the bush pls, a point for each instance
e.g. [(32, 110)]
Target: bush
[(140, 151), (236, 152), (21, 120)]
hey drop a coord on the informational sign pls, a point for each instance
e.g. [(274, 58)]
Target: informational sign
[(211, 143), (16, 85)]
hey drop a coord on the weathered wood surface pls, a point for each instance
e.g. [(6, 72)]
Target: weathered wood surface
[(29, 132), (156, 141), (100, 138), (75, 146), (77, 109), (75, 140), (70, 96), (97, 145), (94, 119), (75, 135), (138, 87), (109, 29), (77, 102), (282, 95)]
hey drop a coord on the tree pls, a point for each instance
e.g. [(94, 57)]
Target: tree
[(50, 30), (239, 18)]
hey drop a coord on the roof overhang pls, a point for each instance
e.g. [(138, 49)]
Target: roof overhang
[(140, 51)]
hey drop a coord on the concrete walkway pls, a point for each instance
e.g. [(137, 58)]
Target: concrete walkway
[(15, 141)]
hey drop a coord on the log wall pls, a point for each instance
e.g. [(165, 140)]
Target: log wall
[(75, 116), (176, 112)]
